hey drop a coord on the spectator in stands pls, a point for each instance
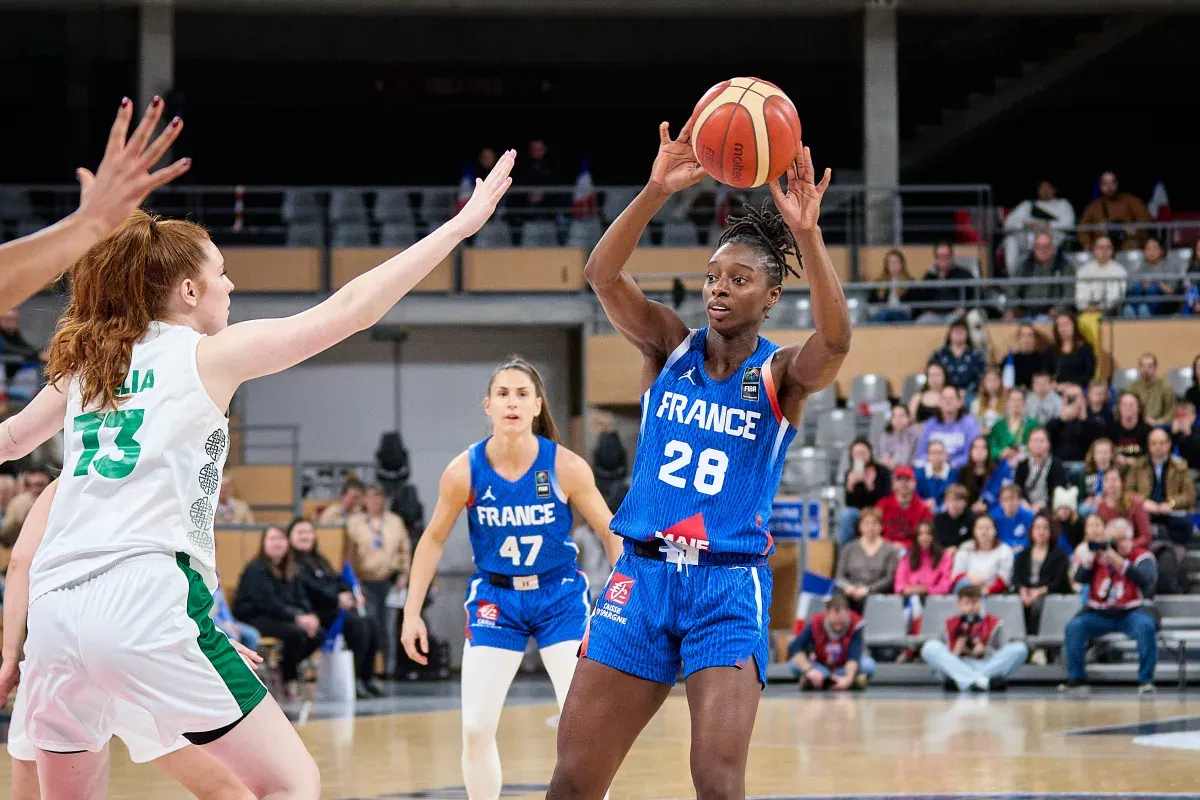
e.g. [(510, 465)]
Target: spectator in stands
[(1043, 403), (1192, 395), (1129, 430), (867, 482), (988, 405), (925, 568), (1071, 433), (1012, 518), (983, 476), (1096, 464), (964, 364), (902, 510), (271, 599), (898, 443), (1047, 216), (1121, 576), (379, 550), (1025, 357), (8, 487), (1100, 284), (1165, 486), (30, 484), (1099, 407), (332, 597), (953, 523), (935, 476), (14, 344), (867, 564), (351, 503), (951, 302), (1185, 434), (1066, 523), (951, 427), (829, 652), (1155, 394), (971, 653), (1116, 502), (1038, 570), (1041, 300), (1039, 473), (1093, 532), (984, 560), (230, 510), (485, 162), (1155, 277), (924, 405), (610, 462), (536, 171), (888, 303), (1010, 435), (1072, 359), (1114, 210)]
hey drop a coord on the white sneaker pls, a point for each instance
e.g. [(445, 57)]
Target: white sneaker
[(1039, 657), (1147, 690), (982, 683)]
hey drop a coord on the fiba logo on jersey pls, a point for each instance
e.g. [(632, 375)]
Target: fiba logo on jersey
[(750, 381), (619, 589), (542, 479), (487, 613)]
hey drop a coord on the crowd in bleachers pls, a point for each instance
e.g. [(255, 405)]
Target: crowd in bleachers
[(1022, 481)]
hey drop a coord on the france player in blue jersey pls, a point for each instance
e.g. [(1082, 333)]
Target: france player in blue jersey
[(720, 404), (515, 485)]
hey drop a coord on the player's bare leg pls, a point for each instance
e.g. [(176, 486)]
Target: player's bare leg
[(723, 702)]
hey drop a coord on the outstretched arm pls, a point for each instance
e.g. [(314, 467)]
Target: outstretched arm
[(25, 431), (577, 480), (453, 492), (263, 347), (801, 370), (120, 185), (16, 588), (652, 328)]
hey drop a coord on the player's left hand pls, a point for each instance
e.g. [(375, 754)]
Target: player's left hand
[(249, 656), (800, 205)]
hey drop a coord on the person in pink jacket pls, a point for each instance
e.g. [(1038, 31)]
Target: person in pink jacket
[(924, 570)]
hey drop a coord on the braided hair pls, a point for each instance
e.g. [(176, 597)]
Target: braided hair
[(765, 230)]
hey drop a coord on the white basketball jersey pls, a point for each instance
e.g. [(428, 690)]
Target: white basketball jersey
[(142, 479)]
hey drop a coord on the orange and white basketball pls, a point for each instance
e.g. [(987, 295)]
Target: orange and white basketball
[(746, 132)]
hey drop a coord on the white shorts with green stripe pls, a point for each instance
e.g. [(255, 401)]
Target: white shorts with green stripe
[(141, 632)]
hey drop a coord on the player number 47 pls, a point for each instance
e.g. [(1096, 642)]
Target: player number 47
[(510, 549)]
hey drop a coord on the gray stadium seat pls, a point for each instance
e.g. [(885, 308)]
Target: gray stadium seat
[(1130, 259), (351, 234), (805, 471), (306, 234), (1180, 379), (397, 234), (347, 205), (494, 234), (912, 385), (1122, 378), (616, 200), (584, 233), (884, 620), (938, 609), (539, 233), (437, 206), (680, 233), (857, 308), (822, 400), (803, 312), (301, 205), (835, 429), (815, 606), (394, 205), (1057, 611), (1010, 611), (1178, 605), (867, 389), (875, 431)]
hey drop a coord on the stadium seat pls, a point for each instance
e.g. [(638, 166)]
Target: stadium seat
[(680, 233), (822, 400), (1057, 611), (878, 424), (306, 234), (867, 389), (857, 308), (437, 206), (301, 205), (394, 205), (1131, 260), (539, 233), (802, 310), (805, 471), (584, 233), (938, 609), (494, 234), (397, 234), (912, 385), (1010, 611), (351, 234), (347, 205), (616, 200), (835, 429), (884, 620), (1122, 378), (1180, 379)]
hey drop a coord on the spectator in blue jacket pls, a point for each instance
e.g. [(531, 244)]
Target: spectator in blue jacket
[(964, 364), (935, 476), (1013, 520)]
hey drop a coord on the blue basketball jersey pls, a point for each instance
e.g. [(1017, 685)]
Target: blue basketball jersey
[(709, 455), (522, 527)]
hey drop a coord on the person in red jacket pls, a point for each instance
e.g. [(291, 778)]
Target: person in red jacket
[(829, 652), (973, 655), (1120, 576), (902, 510)]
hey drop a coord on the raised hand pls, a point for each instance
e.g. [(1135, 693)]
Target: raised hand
[(486, 196), (800, 205), (675, 166), (124, 180)]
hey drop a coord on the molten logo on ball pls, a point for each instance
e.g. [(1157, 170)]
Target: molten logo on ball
[(735, 176)]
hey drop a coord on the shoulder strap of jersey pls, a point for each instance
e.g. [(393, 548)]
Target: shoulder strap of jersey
[(679, 351), (547, 458), (477, 456)]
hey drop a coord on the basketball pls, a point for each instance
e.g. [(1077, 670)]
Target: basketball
[(746, 132)]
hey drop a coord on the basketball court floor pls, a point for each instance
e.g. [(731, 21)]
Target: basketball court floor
[(890, 742)]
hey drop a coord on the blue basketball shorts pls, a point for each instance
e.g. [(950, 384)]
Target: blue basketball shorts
[(557, 611), (654, 618)]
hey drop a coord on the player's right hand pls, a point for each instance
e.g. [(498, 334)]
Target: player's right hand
[(415, 638), (124, 180), (486, 196), (675, 167), (10, 676)]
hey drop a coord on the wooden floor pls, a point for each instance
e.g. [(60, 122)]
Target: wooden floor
[(895, 743)]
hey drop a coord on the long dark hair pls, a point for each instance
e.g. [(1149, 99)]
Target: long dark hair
[(314, 557), (285, 570), (973, 483), (1077, 341), (543, 424), (935, 548)]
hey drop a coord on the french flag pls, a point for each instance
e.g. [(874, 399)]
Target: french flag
[(583, 203), (812, 587), (1159, 206), (465, 187)]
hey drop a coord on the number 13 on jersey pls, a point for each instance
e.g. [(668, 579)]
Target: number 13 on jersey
[(127, 422), (710, 467)]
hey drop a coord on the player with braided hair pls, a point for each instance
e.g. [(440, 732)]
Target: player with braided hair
[(720, 406)]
